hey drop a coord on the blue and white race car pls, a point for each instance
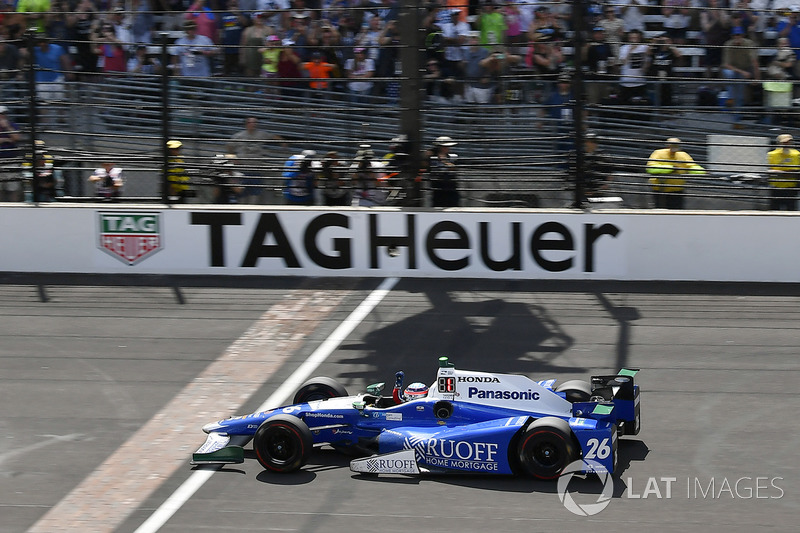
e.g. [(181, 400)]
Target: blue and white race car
[(473, 422)]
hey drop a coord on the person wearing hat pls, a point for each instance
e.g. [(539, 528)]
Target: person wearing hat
[(784, 165), (108, 181), (193, 52), (443, 173), (359, 69), (667, 167), (300, 180), (739, 62), (597, 166), (178, 189), (598, 56), (11, 190)]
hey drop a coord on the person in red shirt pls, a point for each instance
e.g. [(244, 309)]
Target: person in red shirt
[(318, 71)]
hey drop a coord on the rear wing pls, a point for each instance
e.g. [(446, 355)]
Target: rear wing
[(614, 399)]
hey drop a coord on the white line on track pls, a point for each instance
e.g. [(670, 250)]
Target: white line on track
[(279, 397)]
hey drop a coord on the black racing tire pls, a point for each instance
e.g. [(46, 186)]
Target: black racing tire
[(546, 447), (283, 443), (319, 389), (576, 390)]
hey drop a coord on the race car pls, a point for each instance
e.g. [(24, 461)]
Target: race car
[(467, 421)]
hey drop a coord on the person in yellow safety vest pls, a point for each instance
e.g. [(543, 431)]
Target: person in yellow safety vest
[(177, 177), (668, 166), (784, 164)]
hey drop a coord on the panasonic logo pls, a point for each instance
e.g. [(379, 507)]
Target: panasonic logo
[(475, 392), (478, 379)]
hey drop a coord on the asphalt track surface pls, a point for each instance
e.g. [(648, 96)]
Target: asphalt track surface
[(86, 363)]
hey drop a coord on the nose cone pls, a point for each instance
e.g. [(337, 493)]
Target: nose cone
[(212, 427)]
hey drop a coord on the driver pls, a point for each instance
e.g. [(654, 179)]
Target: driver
[(415, 391)]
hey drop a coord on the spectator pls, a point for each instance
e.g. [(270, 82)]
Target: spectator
[(633, 12), (10, 66), (10, 190), (438, 87), (253, 38), (790, 28), (232, 26), (83, 31), (782, 65), (559, 107), (121, 27), (664, 57), (545, 57), (204, 18), (178, 189), (319, 71), (193, 52), (333, 181), (359, 69), (515, 31), (715, 23), (478, 88), (297, 34), (614, 28), (634, 57), (597, 56), (443, 174), (784, 165), (299, 189), (141, 63), (289, 73), (52, 66), (36, 13), (455, 34), (270, 56), (387, 64), (369, 37), (668, 167), (677, 18), (108, 181), (739, 62), (143, 21), (251, 146), (492, 26), (110, 50)]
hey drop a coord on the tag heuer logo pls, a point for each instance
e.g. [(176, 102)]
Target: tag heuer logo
[(130, 237)]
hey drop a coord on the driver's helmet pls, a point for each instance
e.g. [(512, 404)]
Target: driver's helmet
[(414, 391)]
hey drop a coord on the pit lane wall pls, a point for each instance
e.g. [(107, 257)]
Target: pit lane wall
[(369, 242)]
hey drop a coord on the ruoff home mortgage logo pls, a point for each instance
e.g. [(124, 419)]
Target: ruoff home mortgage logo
[(130, 237)]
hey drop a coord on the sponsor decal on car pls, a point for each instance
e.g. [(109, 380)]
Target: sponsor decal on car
[(455, 454), (401, 462), (475, 392), (323, 415), (396, 417)]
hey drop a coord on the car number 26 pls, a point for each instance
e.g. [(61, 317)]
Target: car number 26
[(597, 449)]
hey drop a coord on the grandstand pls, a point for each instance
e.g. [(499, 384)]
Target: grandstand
[(511, 152)]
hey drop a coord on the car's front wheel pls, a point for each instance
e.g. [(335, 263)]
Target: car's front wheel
[(283, 443), (546, 448), (320, 388)]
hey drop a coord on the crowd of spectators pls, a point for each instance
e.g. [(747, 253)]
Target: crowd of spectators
[(473, 47)]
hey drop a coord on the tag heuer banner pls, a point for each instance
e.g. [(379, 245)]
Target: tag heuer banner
[(130, 237)]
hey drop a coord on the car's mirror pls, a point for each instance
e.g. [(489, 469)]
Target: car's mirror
[(375, 389)]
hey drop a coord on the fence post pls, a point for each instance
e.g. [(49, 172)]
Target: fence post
[(579, 13), (411, 97), (165, 117), (33, 108)]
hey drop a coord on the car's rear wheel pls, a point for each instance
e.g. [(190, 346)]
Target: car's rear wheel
[(320, 388), (283, 443), (576, 390), (546, 448)]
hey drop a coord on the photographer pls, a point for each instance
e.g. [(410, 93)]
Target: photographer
[(193, 52)]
